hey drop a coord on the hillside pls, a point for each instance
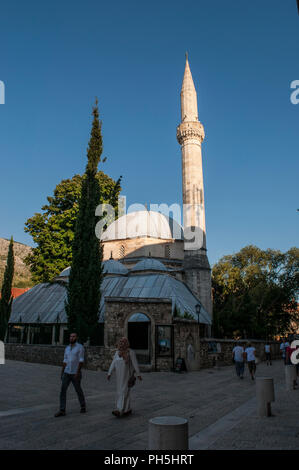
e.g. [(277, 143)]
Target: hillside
[(22, 276)]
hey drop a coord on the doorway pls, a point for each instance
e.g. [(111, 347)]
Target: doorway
[(139, 336)]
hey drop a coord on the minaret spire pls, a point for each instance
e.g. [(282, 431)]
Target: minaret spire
[(188, 96), (190, 135)]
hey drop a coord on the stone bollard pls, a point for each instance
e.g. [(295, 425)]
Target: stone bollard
[(168, 433), (290, 376), (264, 395)]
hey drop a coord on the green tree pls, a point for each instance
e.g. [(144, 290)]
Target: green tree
[(255, 293), (83, 289), (53, 230), (6, 297)]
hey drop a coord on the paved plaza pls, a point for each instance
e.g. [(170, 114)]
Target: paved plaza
[(221, 410)]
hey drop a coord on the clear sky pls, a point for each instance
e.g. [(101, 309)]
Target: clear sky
[(57, 56)]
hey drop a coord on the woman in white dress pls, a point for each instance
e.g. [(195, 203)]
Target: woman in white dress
[(124, 363)]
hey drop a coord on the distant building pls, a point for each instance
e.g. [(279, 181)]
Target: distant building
[(16, 291)]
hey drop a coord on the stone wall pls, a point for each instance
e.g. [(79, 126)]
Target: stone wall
[(96, 357), (225, 346), (99, 358), (185, 333)]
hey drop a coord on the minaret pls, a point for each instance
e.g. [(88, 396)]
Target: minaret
[(190, 135)]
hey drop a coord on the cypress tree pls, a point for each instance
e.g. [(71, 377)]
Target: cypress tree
[(83, 291), (6, 297)]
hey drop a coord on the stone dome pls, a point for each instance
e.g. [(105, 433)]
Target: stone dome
[(149, 264), (111, 266), (143, 224)]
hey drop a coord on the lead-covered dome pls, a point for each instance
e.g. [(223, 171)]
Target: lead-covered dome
[(149, 264), (111, 266), (143, 224)]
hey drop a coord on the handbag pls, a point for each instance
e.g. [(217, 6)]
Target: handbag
[(132, 378)]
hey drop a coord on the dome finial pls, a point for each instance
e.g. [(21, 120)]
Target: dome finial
[(186, 55), (111, 256)]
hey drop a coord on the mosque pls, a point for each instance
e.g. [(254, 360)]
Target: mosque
[(157, 278)]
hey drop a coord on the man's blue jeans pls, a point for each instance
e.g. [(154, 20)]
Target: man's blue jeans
[(239, 368), (66, 380)]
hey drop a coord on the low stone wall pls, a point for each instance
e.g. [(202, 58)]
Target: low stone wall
[(99, 358), (96, 357), (223, 355)]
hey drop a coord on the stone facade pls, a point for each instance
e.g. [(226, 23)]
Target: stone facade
[(118, 312), (187, 333), (197, 274), (129, 248)]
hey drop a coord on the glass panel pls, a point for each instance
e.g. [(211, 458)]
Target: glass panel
[(139, 317), (164, 340), (45, 335)]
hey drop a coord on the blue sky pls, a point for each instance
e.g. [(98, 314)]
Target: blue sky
[(57, 56)]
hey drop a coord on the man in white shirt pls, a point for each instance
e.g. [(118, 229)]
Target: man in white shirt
[(71, 372), (250, 355), (238, 358), (283, 348)]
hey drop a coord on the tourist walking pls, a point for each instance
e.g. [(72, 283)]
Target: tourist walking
[(268, 354), (125, 365), (71, 372), (250, 356), (238, 358), (283, 348)]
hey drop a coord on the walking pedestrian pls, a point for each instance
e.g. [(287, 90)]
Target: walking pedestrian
[(250, 356), (238, 358), (71, 372), (125, 365), (283, 348), (268, 354)]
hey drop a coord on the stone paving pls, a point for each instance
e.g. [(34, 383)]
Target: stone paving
[(221, 410)]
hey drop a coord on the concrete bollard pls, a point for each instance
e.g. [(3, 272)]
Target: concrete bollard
[(290, 376), (264, 395), (168, 433)]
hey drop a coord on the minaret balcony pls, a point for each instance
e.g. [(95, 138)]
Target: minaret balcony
[(190, 130)]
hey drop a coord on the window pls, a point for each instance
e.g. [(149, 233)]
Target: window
[(15, 334), (122, 251), (167, 251)]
